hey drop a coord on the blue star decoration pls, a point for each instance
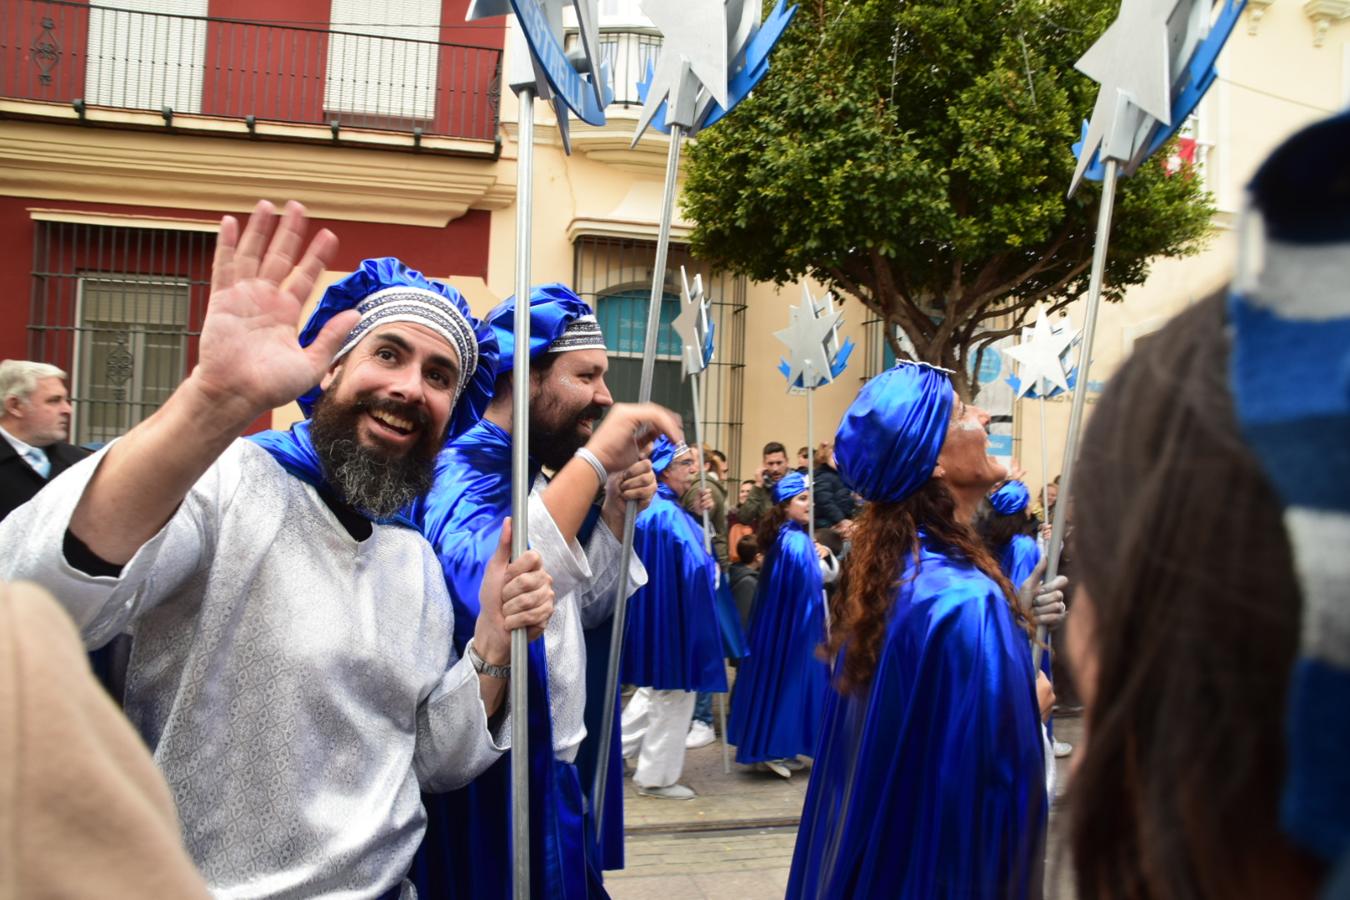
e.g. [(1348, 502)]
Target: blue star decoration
[(694, 326), (1154, 63), (748, 46), (815, 355), (578, 82)]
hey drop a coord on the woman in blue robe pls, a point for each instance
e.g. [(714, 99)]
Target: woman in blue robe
[(929, 777), (780, 692)]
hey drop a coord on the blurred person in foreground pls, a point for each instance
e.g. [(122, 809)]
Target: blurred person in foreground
[(1211, 629)]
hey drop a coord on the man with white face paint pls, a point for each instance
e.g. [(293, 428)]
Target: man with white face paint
[(462, 517), (291, 667)]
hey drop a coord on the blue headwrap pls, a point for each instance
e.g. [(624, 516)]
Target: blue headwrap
[(1011, 498), (891, 436), (559, 321), (664, 452), (1290, 375), (789, 486), (385, 290)]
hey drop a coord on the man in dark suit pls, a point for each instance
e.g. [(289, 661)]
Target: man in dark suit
[(34, 425)]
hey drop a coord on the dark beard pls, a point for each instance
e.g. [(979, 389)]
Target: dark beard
[(376, 483), (554, 437)]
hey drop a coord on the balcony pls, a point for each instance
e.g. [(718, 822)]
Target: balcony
[(222, 76), (628, 52)]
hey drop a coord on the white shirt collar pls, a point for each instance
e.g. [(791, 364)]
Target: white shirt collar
[(19, 446)]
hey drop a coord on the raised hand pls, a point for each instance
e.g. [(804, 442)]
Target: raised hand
[(249, 358), (616, 443)]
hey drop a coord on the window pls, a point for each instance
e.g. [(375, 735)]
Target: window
[(614, 275), (130, 351), (388, 71), (119, 308), (141, 60)]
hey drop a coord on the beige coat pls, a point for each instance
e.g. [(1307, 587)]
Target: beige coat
[(83, 810)]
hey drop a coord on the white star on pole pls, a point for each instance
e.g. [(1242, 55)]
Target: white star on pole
[(1132, 63), (1039, 355), (811, 327), (692, 326), (693, 55)]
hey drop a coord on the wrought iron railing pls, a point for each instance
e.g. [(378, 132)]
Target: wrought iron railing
[(97, 56), (628, 53)]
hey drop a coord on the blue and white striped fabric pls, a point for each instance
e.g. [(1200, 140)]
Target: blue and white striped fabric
[(1290, 312)]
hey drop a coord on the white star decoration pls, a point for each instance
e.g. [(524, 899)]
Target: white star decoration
[(812, 331), (693, 55), (1132, 63), (692, 326), (1040, 354)]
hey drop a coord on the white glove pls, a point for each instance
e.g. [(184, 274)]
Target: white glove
[(1043, 603)]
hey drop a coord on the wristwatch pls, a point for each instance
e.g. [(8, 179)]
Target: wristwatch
[(481, 666)]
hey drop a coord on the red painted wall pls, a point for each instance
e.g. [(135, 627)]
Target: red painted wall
[(263, 70), (23, 25), (460, 248)]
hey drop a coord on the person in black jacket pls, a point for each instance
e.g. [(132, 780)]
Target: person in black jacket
[(34, 425), (835, 506)]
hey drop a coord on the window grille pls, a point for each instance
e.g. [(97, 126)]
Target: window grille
[(614, 275), (119, 308)]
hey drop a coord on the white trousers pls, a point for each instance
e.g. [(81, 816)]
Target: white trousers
[(655, 724)]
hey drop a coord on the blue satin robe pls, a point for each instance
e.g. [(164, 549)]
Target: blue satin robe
[(1019, 558), (466, 852), (779, 702), (931, 781), (673, 641)]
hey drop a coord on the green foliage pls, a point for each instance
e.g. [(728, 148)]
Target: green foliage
[(914, 154)]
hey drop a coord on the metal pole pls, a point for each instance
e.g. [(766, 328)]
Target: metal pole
[(520, 493), (1079, 390), (810, 481), (695, 383), (630, 513), (1045, 459)]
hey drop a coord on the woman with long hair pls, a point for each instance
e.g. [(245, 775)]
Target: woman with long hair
[(929, 778), (781, 686)]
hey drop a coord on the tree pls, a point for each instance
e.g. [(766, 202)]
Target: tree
[(915, 154)]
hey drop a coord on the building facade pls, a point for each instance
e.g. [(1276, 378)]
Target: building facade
[(125, 133)]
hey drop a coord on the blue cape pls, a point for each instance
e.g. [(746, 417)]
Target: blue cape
[(466, 852), (294, 451), (930, 782), (672, 639), (780, 694)]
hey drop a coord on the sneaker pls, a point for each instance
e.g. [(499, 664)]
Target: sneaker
[(1062, 749), (700, 735), (670, 792), (793, 764), (777, 767)]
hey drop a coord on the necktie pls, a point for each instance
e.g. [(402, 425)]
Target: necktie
[(39, 461)]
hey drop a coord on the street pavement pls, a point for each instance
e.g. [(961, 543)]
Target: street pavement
[(735, 839)]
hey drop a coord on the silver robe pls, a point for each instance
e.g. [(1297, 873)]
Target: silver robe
[(297, 687), (584, 581)]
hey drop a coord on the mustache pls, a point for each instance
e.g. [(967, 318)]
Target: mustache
[(418, 415)]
